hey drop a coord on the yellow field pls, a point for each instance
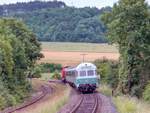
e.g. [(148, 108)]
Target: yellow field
[(71, 53), (78, 47)]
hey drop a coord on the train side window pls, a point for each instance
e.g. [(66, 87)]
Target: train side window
[(90, 73), (82, 73), (76, 73)]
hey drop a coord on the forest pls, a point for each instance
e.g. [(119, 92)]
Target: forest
[(59, 22), (21, 7)]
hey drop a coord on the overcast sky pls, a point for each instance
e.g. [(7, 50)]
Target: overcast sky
[(76, 3)]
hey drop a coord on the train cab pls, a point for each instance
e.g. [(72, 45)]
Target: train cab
[(83, 77)]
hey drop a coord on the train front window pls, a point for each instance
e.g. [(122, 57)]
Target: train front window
[(90, 73), (82, 73)]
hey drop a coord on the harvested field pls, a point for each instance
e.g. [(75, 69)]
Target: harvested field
[(79, 47), (73, 58)]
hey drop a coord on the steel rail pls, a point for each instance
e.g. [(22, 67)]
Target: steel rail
[(40, 97), (82, 100), (77, 105)]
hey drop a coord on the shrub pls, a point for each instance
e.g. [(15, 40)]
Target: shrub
[(56, 75), (11, 100), (105, 89), (37, 72), (2, 102), (108, 71), (146, 93), (50, 67)]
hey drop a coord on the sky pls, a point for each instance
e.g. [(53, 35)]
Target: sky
[(76, 3)]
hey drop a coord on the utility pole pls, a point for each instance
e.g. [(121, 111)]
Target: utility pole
[(83, 57)]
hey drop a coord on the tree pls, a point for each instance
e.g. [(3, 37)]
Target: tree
[(19, 51), (129, 27)]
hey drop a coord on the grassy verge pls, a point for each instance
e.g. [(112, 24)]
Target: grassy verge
[(46, 76), (106, 90), (126, 104), (55, 105)]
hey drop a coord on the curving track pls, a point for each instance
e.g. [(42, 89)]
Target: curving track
[(87, 104), (44, 91)]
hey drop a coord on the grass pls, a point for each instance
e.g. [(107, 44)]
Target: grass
[(126, 104), (56, 104), (106, 90), (79, 47), (46, 76)]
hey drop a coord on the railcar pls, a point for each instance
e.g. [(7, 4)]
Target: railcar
[(83, 77)]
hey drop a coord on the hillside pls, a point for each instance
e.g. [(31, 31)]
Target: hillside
[(23, 7), (54, 21)]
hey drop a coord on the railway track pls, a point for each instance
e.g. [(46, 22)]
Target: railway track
[(87, 104), (44, 91)]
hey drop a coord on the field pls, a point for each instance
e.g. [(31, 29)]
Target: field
[(71, 53)]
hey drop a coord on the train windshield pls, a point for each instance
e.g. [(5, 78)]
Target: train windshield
[(82, 73), (90, 72)]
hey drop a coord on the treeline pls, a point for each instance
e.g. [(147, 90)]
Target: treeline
[(19, 50), (23, 7), (67, 24), (129, 27), (54, 21)]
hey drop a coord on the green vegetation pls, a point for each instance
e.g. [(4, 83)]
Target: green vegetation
[(50, 67), (56, 75), (79, 47), (146, 93), (105, 89), (56, 103), (125, 104), (21, 7), (129, 27), (46, 76), (54, 21), (66, 24), (19, 51), (108, 71)]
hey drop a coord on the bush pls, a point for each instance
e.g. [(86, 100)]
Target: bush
[(2, 102), (146, 93), (48, 67), (105, 89), (108, 71), (56, 75), (37, 72), (11, 100), (136, 91)]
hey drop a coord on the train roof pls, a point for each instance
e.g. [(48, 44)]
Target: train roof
[(82, 66), (86, 65)]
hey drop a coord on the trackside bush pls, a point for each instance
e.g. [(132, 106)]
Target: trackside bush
[(56, 75), (37, 72), (146, 93), (108, 70), (50, 67)]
